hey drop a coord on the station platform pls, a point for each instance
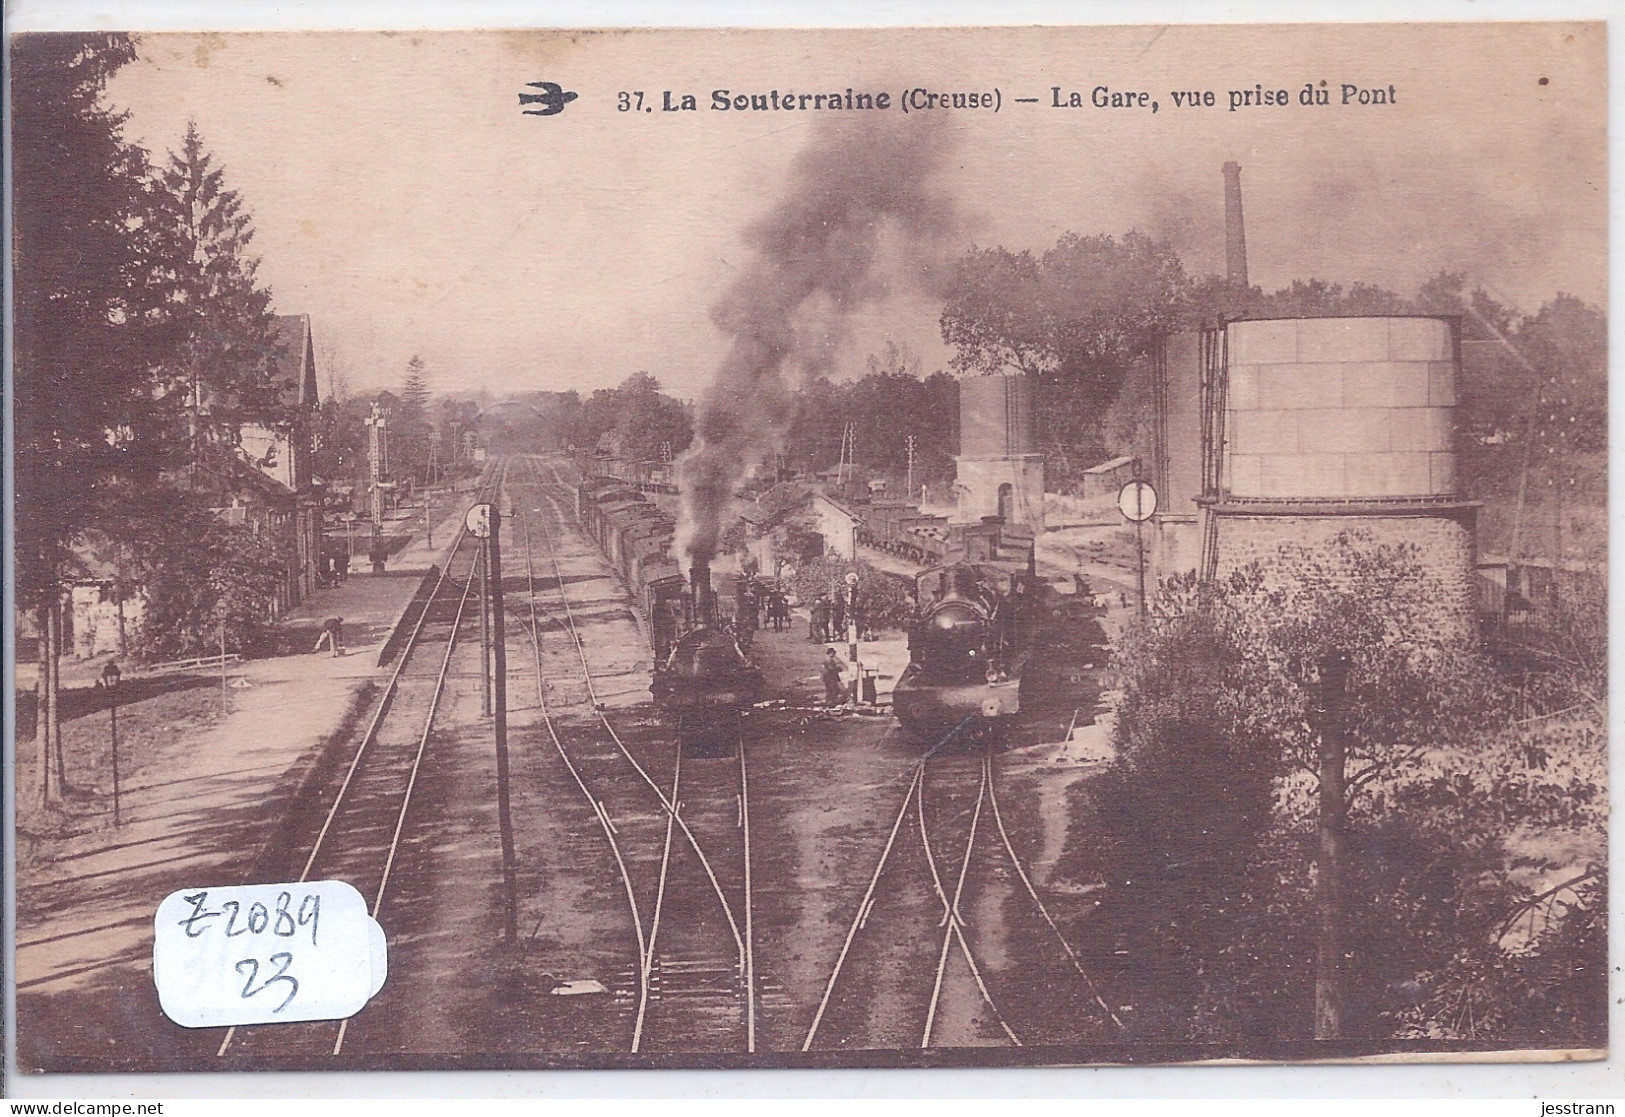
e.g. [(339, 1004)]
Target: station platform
[(207, 770)]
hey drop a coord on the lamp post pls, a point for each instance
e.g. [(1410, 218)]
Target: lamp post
[(110, 677), (220, 612)]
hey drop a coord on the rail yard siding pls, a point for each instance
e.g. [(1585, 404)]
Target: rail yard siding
[(1334, 408), (1285, 545)]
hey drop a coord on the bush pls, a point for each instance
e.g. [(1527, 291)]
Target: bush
[(223, 570), (1186, 808), (886, 600)]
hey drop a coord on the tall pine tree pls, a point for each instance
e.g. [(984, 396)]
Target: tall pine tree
[(220, 374), (84, 340), (411, 422)]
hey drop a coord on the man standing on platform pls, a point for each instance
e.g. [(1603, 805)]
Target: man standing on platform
[(819, 628), (833, 675)]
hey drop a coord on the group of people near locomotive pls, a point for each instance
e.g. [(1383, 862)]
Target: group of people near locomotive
[(758, 603), (969, 641)]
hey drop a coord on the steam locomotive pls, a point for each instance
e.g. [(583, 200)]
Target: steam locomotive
[(703, 679), (969, 645)]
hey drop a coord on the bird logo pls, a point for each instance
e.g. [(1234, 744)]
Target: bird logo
[(552, 98)]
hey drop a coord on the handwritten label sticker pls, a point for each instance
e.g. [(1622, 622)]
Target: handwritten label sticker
[(266, 954)]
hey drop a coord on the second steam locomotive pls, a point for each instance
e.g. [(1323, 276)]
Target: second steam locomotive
[(969, 646)]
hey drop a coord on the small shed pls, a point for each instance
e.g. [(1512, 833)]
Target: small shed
[(1107, 478), (838, 524)]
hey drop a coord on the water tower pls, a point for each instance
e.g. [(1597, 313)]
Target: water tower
[(1000, 472), (1293, 430)]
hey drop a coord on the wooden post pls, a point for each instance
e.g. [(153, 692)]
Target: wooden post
[(110, 675), (1139, 548), (55, 705), (42, 703), (485, 632), (223, 694), (1329, 991)]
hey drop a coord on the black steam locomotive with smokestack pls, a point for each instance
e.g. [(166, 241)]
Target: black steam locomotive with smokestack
[(702, 676), (703, 679), (973, 633)]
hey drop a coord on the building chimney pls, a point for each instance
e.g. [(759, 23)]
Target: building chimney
[(1235, 236)]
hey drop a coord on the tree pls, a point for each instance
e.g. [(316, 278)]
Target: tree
[(1077, 319), (813, 439), (341, 440), (451, 419), (1186, 812), (996, 316), (196, 572), (86, 317), (409, 425), (1566, 343), (890, 403), (650, 426), (220, 372), (1394, 744)]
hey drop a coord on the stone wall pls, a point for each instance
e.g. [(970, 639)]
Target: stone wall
[(978, 481), (1445, 551)]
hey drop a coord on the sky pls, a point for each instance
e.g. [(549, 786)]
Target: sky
[(403, 200)]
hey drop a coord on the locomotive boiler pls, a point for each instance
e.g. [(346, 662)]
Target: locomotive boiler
[(703, 679), (969, 645)]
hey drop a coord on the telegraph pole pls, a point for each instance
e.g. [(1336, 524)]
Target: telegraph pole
[(510, 924), (485, 522), (908, 489), (485, 632), (1138, 503), (375, 471)]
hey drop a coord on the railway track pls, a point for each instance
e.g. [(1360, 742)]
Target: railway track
[(905, 995), (674, 832), (689, 902), (365, 826)]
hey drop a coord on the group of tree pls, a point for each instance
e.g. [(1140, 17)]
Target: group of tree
[(880, 412), (638, 421), (143, 342), (1082, 316), (423, 440), (1325, 822), (641, 421)]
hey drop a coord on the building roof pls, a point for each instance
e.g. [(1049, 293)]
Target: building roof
[(1111, 466), (839, 507), (296, 359)]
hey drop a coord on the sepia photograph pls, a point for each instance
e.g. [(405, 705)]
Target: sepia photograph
[(871, 548)]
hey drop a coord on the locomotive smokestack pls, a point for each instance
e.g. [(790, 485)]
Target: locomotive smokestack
[(1235, 235), (705, 600)]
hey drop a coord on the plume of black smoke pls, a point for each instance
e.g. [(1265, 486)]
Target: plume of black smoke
[(859, 217)]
